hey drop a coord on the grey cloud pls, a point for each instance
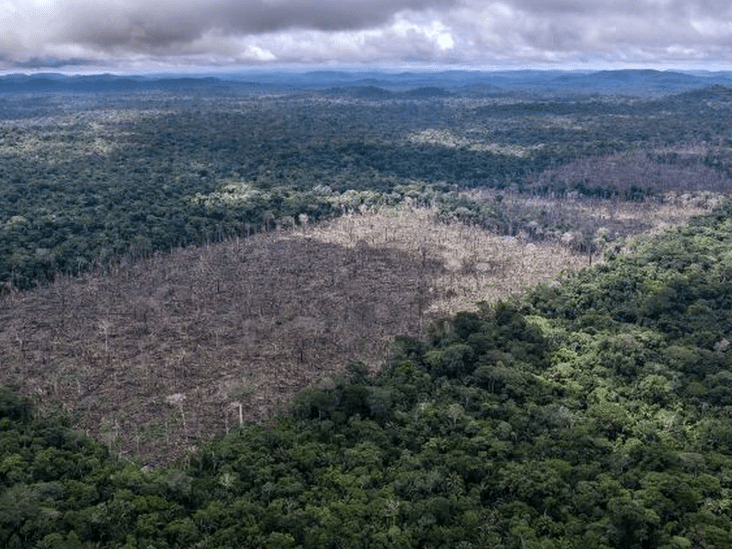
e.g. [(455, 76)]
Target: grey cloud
[(606, 29), (45, 63), (638, 8), (158, 25), (37, 33), (562, 6)]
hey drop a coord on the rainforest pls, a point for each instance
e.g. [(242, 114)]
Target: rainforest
[(366, 310)]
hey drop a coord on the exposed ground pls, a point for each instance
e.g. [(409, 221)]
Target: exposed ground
[(474, 265), (162, 352)]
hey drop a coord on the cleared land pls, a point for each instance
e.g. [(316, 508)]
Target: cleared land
[(160, 353)]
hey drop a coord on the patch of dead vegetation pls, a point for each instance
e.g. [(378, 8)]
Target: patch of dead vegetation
[(620, 217), (159, 353), (476, 265), (678, 170)]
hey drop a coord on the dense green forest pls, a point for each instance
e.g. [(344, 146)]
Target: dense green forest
[(87, 178), (595, 413)]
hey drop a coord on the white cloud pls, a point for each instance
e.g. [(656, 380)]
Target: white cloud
[(255, 53), (435, 31), (714, 28)]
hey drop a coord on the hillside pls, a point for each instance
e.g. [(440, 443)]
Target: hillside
[(625, 82), (160, 353)]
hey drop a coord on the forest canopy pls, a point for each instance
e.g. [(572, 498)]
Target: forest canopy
[(89, 177)]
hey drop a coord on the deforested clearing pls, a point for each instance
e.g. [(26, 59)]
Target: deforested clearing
[(154, 355), (473, 265)]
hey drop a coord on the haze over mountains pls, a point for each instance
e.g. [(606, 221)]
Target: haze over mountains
[(623, 82)]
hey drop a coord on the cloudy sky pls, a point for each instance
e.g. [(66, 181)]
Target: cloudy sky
[(153, 35)]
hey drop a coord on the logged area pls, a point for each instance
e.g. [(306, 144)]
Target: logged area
[(475, 318), (158, 353)]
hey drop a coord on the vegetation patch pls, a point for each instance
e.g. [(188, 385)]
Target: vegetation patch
[(232, 330)]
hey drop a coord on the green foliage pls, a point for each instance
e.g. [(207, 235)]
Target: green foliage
[(137, 174)]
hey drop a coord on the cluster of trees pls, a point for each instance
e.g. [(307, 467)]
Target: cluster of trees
[(591, 414), (122, 172)]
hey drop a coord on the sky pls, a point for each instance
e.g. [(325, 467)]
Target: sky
[(186, 35)]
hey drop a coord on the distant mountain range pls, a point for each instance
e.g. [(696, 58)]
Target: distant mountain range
[(376, 85)]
